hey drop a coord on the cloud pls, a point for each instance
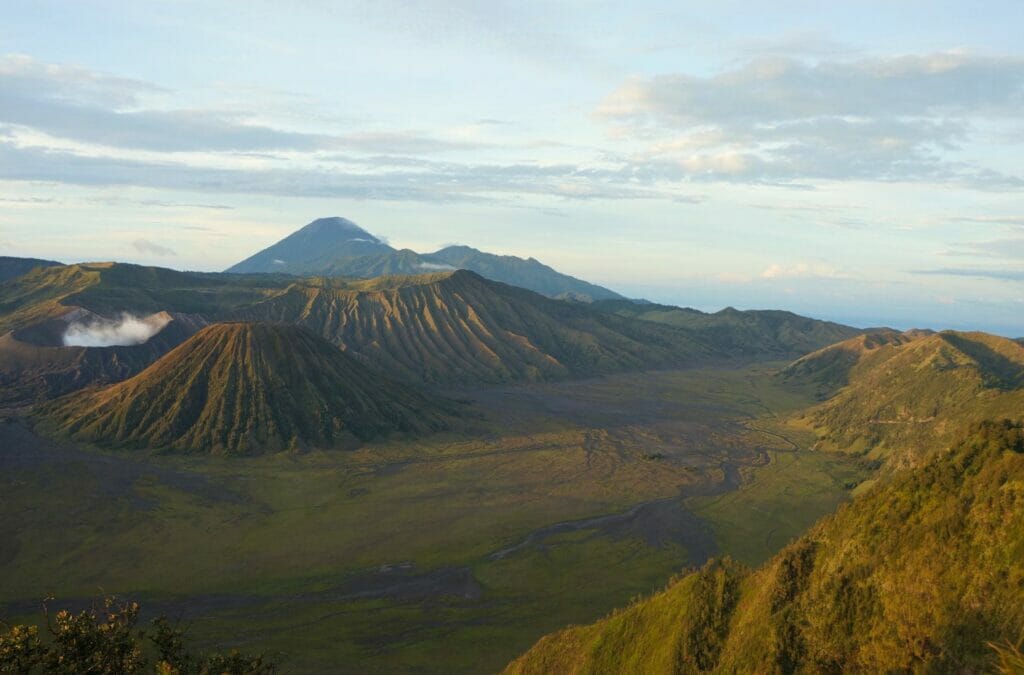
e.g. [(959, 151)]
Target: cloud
[(127, 330), (783, 119), (1013, 221), (802, 270), (145, 246), (403, 142), (431, 182), (980, 273), (74, 103), (434, 266), (996, 248)]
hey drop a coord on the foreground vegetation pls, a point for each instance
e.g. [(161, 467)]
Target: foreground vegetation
[(925, 572), (106, 641)]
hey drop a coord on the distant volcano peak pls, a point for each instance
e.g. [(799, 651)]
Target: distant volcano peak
[(323, 239), (335, 224)]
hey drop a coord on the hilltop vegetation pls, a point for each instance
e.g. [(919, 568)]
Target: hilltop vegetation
[(245, 388), (753, 332), (906, 393), (919, 574), (106, 641)]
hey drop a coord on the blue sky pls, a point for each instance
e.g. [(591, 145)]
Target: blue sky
[(858, 161)]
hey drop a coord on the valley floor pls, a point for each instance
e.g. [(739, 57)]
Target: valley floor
[(449, 554)]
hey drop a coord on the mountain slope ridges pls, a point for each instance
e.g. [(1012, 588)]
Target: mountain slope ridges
[(237, 388), (460, 327)]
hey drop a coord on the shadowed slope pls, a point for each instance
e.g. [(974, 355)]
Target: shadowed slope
[(14, 267), (909, 391), (243, 388), (918, 575), (457, 326), (34, 366)]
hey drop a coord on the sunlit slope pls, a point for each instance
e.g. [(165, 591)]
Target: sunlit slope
[(244, 388), (919, 574), (460, 327), (906, 392), (751, 332)]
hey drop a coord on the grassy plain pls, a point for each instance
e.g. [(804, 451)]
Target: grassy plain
[(452, 553)]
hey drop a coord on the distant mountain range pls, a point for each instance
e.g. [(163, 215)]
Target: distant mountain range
[(338, 247), (242, 388), (756, 332), (444, 327)]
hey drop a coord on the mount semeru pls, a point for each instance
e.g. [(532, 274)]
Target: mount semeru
[(338, 247)]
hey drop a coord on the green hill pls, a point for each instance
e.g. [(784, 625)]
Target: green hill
[(460, 327), (752, 332), (918, 575), (245, 388), (905, 392)]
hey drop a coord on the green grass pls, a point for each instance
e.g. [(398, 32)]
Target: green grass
[(255, 547), (781, 501)]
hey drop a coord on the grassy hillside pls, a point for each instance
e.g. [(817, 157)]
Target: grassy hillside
[(753, 332), (244, 388), (908, 392), (459, 327), (920, 574)]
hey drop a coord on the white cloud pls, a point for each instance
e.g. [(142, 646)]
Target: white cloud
[(152, 248), (802, 270), (776, 119)]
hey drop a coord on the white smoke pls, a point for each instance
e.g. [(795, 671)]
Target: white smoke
[(122, 332), (434, 266)]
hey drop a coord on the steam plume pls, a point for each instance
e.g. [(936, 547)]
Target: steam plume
[(128, 330)]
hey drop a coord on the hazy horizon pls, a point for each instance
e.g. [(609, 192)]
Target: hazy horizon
[(858, 163)]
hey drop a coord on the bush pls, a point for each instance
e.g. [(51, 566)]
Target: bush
[(106, 642)]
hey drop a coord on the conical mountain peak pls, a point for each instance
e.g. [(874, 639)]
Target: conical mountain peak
[(248, 387)]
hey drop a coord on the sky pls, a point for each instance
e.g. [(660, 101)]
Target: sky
[(855, 161)]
